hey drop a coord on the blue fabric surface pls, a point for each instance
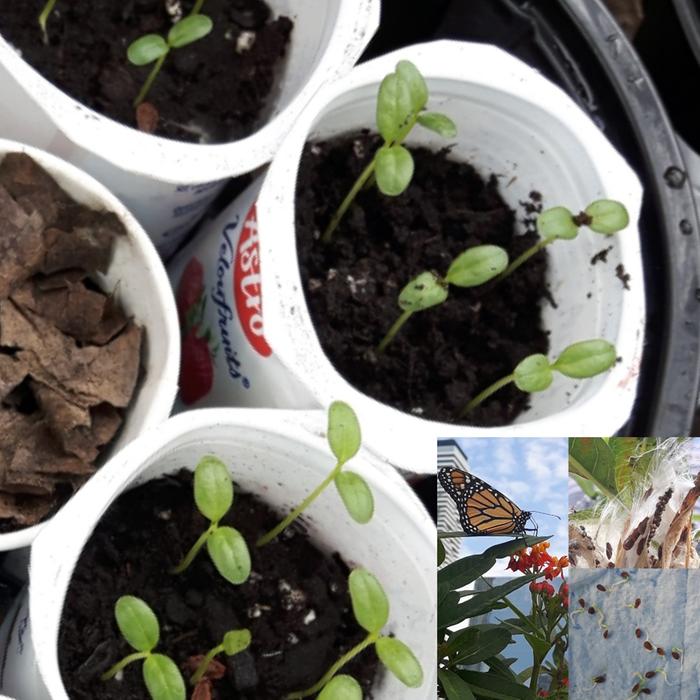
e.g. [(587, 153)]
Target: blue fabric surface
[(669, 615)]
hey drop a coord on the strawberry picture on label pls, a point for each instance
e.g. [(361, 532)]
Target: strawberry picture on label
[(191, 288), (197, 356), (196, 369)]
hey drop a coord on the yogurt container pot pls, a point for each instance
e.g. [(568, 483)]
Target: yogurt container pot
[(263, 448), (168, 184), (138, 275), (511, 121)]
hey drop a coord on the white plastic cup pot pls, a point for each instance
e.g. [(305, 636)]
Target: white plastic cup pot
[(278, 455), (511, 121), (168, 184), (138, 275)]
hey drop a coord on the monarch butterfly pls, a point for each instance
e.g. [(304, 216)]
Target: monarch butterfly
[(482, 509)]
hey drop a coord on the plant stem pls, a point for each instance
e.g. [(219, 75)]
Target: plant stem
[(150, 80), (44, 18), (267, 538), (123, 664), (202, 668), (486, 393), (197, 7), (189, 558), (345, 204), (524, 257), (349, 656), (398, 324)]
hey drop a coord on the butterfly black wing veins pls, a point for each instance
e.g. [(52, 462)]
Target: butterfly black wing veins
[(483, 510)]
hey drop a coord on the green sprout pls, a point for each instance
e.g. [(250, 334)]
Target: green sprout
[(234, 642), (473, 267), (603, 216), (401, 102), (213, 494), (153, 47), (342, 687), (581, 360), (370, 607), (344, 438), (44, 19), (139, 627)]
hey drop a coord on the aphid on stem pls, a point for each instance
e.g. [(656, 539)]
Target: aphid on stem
[(601, 587), (634, 605), (676, 653)]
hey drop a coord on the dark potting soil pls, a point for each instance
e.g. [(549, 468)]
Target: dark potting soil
[(295, 603), (211, 91), (445, 355)]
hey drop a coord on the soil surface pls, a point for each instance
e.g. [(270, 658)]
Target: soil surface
[(445, 355), (212, 91), (295, 603)]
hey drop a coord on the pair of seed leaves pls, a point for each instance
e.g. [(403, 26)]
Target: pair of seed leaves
[(140, 628), (152, 47), (482, 263), (370, 606), (402, 98)]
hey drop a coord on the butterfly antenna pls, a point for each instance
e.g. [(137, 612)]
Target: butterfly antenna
[(551, 515)]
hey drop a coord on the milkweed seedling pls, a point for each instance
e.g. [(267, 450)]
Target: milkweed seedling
[(44, 19), (604, 216), (139, 627), (213, 495), (344, 438), (401, 102), (473, 267), (234, 642), (342, 687), (152, 48), (581, 360), (370, 607), (596, 680)]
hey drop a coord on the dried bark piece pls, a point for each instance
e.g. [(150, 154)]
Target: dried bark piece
[(12, 374), (32, 187), (87, 442), (59, 279), (25, 510), (86, 376), (62, 415), (21, 243), (87, 248), (73, 309)]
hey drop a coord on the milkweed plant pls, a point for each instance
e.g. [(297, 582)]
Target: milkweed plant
[(464, 649)]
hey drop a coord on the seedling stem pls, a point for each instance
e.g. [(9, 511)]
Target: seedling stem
[(344, 439), (146, 88), (391, 334), (44, 18), (346, 658), (267, 538)]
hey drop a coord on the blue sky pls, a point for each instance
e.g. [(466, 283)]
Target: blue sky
[(533, 472)]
